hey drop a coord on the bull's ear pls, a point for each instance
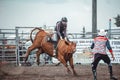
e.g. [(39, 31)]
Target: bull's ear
[(66, 42), (74, 43)]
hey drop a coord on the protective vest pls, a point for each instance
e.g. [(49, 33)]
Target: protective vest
[(100, 45)]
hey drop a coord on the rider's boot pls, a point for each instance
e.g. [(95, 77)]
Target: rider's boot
[(111, 73), (94, 74)]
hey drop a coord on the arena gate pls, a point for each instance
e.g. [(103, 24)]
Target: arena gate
[(13, 46), (8, 47)]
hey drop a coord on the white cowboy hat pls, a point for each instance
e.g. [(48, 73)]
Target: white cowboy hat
[(102, 32)]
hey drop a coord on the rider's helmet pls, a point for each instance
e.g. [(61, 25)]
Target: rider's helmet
[(64, 19)]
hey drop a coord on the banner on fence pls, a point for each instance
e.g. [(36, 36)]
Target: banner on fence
[(82, 54)]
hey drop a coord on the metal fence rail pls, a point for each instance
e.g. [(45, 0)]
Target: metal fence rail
[(13, 45)]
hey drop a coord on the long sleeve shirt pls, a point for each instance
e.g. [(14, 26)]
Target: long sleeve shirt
[(61, 29), (99, 45)]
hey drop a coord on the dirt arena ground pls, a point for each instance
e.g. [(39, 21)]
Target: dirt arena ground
[(52, 72)]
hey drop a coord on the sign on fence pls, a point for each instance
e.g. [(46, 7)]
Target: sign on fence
[(115, 44), (82, 54)]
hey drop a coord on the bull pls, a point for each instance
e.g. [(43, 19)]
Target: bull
[(65, 54), (65, 49)]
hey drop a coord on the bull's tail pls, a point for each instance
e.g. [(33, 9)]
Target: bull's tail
[(32, 32)]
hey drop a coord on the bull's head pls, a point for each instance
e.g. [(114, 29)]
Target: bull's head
[(73, 44), (72, 47), (66, 46)]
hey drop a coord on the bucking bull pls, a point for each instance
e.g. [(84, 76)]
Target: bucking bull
[(65, 49)]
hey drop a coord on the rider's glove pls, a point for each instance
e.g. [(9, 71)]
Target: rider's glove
[(61, 38), (65, 39)]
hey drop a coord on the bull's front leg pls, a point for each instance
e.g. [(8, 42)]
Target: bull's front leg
[(72, 66), (62, 60)]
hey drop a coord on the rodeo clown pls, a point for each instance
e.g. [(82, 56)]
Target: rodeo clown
[(99, 51)]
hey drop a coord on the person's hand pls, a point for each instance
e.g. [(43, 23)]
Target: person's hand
[(61, 38), (113, 58), (65, 39)]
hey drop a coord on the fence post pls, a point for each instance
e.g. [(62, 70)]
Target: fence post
[(17, 46), (3, 51), (109, 28)]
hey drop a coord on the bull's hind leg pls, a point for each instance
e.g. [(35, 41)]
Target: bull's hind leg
[(62, 60), (72, 66), (38, 56), (28, 52)]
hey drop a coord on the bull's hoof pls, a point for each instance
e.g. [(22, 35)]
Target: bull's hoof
[(57, 64), (75, 74), (38, 63), (25, 59), (69, 72), (113, 78), (26, 64)]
